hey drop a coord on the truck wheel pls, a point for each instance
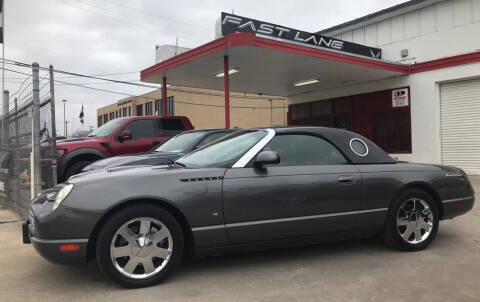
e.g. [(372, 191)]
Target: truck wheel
[(140, 246), (76, 168)]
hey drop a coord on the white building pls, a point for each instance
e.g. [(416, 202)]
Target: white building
[(407, 77), (444, 103)]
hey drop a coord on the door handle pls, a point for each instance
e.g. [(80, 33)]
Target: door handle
[(346, 179)]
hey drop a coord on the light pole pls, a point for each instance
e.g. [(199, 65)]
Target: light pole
[(64, 120)]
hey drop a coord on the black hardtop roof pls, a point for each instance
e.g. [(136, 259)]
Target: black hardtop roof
[(341, 139)]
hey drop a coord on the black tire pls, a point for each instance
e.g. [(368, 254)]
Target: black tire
[(117, 220), (76, 168), (391, 233)]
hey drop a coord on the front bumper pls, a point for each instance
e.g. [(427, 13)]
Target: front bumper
[(60, 236)]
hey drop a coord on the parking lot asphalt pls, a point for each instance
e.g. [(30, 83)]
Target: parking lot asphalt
[(355, 270)]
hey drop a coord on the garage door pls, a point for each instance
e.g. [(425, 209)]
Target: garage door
[(460, 124)]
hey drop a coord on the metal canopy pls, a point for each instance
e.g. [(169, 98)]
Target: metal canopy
[(268, 66)]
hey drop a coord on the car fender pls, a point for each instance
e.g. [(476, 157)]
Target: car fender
[(75, 153)]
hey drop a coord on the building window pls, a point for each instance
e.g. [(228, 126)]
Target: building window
[(369, 114), (99, 121), (116, 113), (124, 112), (392, 130), (105, 118), (170, 105), (129, 110), (140, 110), (158, 107), (148, 108), (112, 115)]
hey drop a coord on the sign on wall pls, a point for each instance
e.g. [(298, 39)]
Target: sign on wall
[(233, 23), (400, 97), (5, 164)]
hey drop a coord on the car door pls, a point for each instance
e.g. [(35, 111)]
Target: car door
[(313, 190), (143, 136)]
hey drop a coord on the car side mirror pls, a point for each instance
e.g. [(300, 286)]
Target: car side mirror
[(124, 136), (266, 158)]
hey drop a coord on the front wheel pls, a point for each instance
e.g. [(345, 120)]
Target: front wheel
[(139, 246), (412, 221)]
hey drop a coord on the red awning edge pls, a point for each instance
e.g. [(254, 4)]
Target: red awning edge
[(249, 39)]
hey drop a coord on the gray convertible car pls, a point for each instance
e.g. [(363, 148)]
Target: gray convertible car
[(257, 188)]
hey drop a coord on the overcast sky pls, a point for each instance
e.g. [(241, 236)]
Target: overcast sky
[(99, 37)]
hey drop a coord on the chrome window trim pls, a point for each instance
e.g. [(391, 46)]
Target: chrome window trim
[(362, 142), (245, 159), (255, 222)]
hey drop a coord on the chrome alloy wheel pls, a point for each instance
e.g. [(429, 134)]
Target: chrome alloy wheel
[(141, 248), (415, 221)]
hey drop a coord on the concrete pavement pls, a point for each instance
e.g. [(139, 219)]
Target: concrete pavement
[(357, 270)]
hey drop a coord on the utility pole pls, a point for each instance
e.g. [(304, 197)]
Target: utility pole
[(64, 119), (53, 143), (35, 171), (6, 127)]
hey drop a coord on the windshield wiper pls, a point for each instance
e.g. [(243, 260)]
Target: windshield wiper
[(179, 164), (175, 163)]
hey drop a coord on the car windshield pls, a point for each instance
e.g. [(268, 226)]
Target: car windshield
[(107, 129), (224, 152), (181, 143)]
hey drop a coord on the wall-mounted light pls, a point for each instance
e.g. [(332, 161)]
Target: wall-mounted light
[(306, 82), (230, 71)]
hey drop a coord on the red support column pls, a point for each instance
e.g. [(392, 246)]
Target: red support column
[(164, 97), (226, 77)]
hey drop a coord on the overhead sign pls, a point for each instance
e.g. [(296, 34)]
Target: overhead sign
[(233, 23), (400, 97)]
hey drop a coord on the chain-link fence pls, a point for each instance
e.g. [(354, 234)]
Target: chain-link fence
[(18, 155)]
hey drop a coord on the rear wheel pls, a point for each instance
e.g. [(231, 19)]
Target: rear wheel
[(140, 246), (412, 221)]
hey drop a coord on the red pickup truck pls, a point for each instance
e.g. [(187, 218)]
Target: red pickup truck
[(119, 136)]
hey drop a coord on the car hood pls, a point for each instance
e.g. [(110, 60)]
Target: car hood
[(81, 141), (151, 158), (101, 189)]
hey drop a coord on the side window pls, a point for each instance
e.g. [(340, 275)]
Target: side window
[(172, 126), (211, 138), (141, 128), (303, 150)]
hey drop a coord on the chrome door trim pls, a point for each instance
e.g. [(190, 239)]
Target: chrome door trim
[(238, 224), (245, 159)]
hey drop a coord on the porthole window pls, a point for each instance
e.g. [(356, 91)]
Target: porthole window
[(358, 147)]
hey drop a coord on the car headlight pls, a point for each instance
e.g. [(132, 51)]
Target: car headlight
[(61, 195)]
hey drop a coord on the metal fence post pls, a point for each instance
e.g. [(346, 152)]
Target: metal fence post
[(5, 134), (15, 102), (36, 173), (53, 145)]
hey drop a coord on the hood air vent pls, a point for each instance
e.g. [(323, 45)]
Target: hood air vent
[(202, 179)]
